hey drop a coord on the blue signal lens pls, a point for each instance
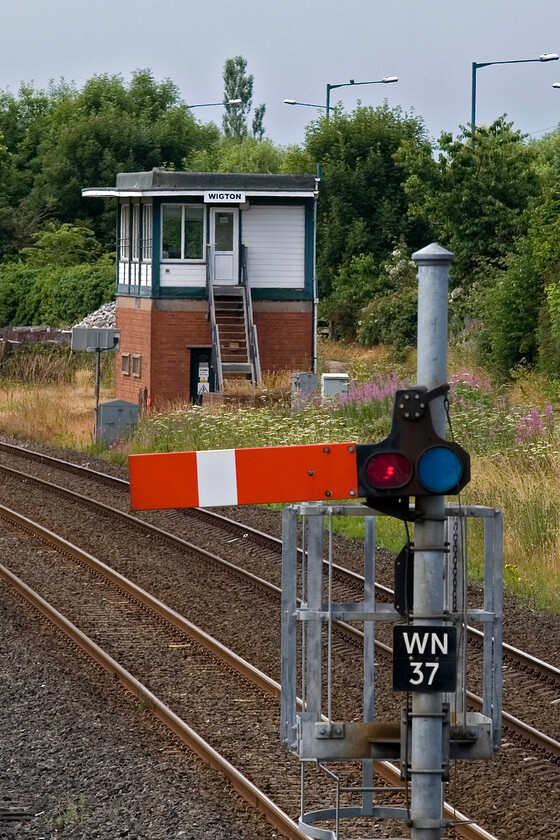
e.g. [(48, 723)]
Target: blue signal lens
[(439, 469)]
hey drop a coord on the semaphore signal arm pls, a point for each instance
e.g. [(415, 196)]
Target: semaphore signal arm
[(411, 461)]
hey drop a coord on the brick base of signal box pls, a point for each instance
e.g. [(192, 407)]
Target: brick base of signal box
[(157, 336)]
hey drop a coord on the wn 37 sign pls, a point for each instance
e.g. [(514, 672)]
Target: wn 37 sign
[(424, 658)]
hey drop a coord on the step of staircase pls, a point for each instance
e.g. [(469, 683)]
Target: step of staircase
[(227, 291), (233, 344), (230, 310), (231, 334), (231, 322), (237, 367)]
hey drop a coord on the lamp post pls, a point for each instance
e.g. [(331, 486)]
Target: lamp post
[(385, 81), (477, 65), (211, 104), (306, 104)]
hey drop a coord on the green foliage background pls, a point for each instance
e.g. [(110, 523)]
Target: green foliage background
[(386, 190), (58, 297)]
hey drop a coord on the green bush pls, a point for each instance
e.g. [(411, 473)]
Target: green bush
[(59, 297), (391, 319), (365, 289), (511, 314)]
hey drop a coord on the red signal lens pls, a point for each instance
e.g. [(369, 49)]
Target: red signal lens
[(388, 469)]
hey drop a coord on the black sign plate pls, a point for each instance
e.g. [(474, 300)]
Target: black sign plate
[(424, 658)]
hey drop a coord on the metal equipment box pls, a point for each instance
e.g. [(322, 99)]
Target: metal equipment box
[(116, 418), (88, 338), (334, 383), (304, 383)]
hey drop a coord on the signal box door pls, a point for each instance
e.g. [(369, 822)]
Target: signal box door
[(202, 375), (224, 227)]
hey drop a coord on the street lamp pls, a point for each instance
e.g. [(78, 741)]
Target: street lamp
[(211, 104), (476, 66), (385, 81), (307, 104)]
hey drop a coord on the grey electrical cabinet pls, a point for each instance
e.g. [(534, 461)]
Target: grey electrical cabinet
[(88, 338), (304, 383), (333, 384), (117, 418)]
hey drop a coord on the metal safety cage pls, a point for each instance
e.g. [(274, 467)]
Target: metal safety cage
[(308, 727)]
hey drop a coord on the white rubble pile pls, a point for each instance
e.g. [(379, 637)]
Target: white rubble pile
[(103, 318)]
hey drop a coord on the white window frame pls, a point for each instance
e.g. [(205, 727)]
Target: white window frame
[(146, 240), (135, 232), (124, 233), (198, 260)]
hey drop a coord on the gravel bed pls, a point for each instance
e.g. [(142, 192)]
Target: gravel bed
[(516, 804), (84, 763)]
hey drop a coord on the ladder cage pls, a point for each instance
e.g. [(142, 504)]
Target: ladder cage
[(309, 726)]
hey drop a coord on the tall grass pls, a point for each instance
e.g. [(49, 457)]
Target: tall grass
[(60, 414), (513, 435)]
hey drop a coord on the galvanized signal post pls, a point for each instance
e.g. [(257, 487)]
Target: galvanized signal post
[(427, 722)]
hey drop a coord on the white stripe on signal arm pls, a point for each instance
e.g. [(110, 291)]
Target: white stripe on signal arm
[(217, 477)]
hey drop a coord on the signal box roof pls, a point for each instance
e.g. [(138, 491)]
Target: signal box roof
[(162, 182)]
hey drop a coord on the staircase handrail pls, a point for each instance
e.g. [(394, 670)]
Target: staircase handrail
[(254, 351), (251, 329), (216, 358), (211, 314)]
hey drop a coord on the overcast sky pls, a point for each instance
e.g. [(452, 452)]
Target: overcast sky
[(294, 48)]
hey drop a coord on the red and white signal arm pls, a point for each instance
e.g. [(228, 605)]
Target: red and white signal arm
[(314, 472)]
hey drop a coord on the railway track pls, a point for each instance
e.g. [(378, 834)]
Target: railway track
[(211, 668), (536, 673), (251, 545)]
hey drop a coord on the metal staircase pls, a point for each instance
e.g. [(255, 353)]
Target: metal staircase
[(235, 350)]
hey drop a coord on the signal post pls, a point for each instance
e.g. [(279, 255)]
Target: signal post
[(427, 746)]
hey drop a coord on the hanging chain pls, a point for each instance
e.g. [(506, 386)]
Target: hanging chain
[(455, 562)]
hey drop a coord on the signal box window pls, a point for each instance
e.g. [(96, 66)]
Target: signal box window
[(125, 364), (182, 232)]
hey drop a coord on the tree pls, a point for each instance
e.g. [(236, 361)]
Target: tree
[(64, 140), (238, 85), (521, 310), (231, 155), (258, 117), (363, 209), (62, 246), (475, 200), (23, 124)]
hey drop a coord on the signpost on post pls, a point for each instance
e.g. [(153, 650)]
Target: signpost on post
[(96, 341)]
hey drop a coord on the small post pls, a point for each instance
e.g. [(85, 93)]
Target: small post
[(97, 378), (427, 708)]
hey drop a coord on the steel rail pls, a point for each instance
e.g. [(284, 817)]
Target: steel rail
[(246, 789), (513, 724), (156, 606), (524, 659)]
